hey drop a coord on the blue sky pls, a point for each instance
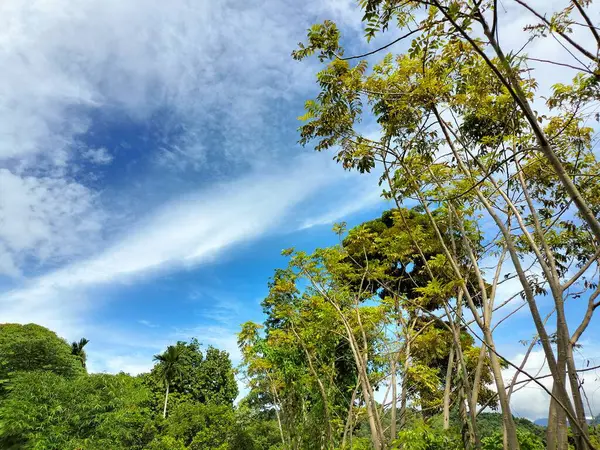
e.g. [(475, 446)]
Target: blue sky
[(149, 168)]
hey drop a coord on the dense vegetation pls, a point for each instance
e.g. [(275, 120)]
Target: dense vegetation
[(49, 401), (388, 339)]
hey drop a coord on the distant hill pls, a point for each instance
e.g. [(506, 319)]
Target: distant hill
[(544, 421), (489, 423)]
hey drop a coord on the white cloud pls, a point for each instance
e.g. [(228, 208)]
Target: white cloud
[(97, 155), (532, 401), (45, 219), (110, 362), (216, 65), (216, 68), (361, 199), (184, 232)]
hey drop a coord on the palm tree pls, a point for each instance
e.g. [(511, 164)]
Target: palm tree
[(78, 351), (169, 366)]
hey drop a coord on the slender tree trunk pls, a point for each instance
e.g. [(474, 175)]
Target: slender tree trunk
[(360, 359), (277, 409), (466, 389), (322, 390), (477, 378), (394, 401), (510, 430), (448, 389), (166, 400), (349, 420), (367, 391), (364, 355), (577, 400), (465, 420), (403, 393)]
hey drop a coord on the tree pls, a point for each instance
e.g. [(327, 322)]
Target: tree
[(216, 378), (202, 377), (50, 402), (254, 429), (344, 321), (169, 367), (78, 351), (34, 348), (459, 137)]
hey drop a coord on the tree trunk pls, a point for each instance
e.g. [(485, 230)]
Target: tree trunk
[(349, 420), (556, 433), (465, 430), (510, 429), (577, 400), (367, 391), (322, 390), (166, 400), (394, 401), (448, 389), (477, 378)]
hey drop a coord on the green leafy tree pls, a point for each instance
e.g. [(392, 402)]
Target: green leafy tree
[(216, 378), (254, 429), (460, 137), (25, 348), (200, 377), (168, 367)]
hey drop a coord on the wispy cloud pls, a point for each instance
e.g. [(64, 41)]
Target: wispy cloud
[(221, 71), (182, 233), (359, 202), (98, 155), (45, 218), (147, 323)]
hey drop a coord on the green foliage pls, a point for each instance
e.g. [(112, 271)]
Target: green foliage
[(32, 347), (422, 437), (193, 375), (166, 443), (46, 406), (254, 430), (527, 441), (45, 410), (201, 426), (489, 423)]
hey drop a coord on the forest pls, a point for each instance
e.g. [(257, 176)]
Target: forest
[(388, 339)]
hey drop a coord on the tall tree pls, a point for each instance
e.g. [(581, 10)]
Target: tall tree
[(169, 366), (459, 136)]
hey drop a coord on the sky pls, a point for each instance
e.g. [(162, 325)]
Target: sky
[(150, 173)]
